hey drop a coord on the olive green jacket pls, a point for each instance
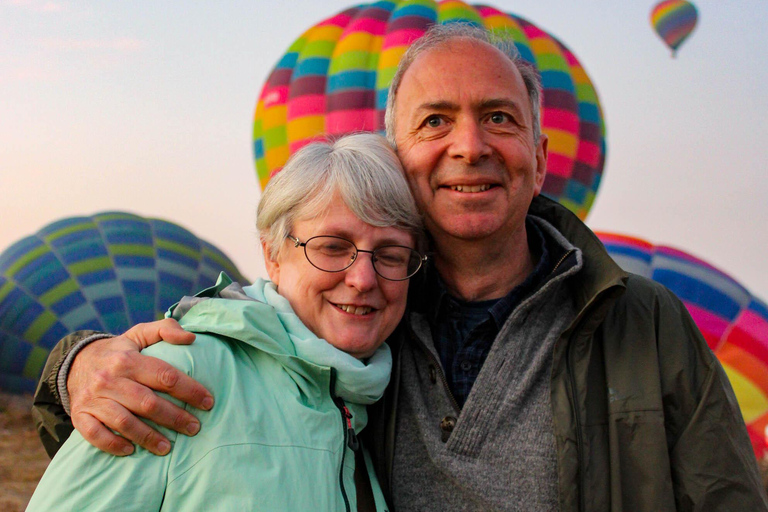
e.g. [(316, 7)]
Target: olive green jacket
[(644, 416)]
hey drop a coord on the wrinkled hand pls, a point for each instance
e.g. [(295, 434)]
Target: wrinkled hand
[(110, 383)]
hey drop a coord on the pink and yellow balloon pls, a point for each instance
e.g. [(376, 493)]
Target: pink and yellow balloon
[(334, 78), (732, 320)]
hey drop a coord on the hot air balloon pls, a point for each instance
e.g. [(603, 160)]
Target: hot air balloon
[(334, 79), (106, 272), (732, 320), (674, 20)]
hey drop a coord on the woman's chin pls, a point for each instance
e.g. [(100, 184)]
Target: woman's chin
[(357, 343)]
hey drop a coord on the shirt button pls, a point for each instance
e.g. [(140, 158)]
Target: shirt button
[(433, 374), (466, 365), (446, 426)]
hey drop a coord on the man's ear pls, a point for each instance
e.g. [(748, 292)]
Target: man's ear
[(273, 266), (541, 163)]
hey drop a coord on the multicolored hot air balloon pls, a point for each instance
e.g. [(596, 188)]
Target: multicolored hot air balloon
[(106, 272), (334, 80), (674, 20), (734, 323)]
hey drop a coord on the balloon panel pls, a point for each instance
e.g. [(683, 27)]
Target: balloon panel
[(745, 350), (734, 323), (591, 150), (673, 21), (106, 272), (334, 80)]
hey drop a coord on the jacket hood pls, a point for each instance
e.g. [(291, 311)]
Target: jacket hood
[(262, 318)]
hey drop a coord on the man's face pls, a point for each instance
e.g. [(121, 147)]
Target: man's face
[(464, 132)]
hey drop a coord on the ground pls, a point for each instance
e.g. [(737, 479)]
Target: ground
[(22, 457)]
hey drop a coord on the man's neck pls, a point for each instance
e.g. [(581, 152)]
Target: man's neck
[(483, 270)]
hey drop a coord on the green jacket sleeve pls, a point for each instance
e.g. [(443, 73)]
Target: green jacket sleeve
[(52, 421)]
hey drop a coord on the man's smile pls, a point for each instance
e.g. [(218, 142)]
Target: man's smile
[(470, 188)]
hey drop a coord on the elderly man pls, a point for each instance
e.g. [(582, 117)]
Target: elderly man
[(531, 372)]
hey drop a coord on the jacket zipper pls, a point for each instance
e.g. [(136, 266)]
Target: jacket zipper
[(560, 262), (350, 438), (352, 441), (579, 434), (574, 397)]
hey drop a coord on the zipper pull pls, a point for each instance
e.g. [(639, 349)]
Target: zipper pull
[(352, 441)]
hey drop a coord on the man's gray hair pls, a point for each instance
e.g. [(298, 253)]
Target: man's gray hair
[(442, 35), (361, 168)]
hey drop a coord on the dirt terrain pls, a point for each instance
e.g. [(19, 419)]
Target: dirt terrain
[(23, 459)]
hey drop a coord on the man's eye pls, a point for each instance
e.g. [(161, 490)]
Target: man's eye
[(498, 118), (434, 122)]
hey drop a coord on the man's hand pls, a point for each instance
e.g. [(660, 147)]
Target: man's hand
[(110, 383)]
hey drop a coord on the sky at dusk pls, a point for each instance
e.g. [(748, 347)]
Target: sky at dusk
[(147, 107)]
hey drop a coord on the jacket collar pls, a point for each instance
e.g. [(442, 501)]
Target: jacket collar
[(260, 317), (599, 272)]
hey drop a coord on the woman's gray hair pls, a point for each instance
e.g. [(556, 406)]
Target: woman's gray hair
[(442, 35), (361, 168)]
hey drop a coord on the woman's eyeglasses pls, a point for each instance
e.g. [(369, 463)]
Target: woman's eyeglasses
[(334, 254)]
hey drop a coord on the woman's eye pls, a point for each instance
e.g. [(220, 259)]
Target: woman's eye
[(332, 249), (391, 260), (392, 256)]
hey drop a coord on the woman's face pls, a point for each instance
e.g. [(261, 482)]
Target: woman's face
[(355, 309)]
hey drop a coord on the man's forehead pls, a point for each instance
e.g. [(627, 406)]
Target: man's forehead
[(459, 59), (442, 77)]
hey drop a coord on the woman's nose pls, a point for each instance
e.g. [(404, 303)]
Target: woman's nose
[(361, 274)]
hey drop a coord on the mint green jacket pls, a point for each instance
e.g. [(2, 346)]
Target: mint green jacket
[(277, 438)]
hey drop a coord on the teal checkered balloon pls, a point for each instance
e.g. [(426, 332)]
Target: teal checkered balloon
[(106, 272)]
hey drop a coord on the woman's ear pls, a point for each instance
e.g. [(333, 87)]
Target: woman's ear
[(273, 266)]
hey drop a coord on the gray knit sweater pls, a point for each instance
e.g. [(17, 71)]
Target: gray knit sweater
[(498, 452)]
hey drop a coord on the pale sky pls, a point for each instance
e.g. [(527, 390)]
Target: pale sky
[(147, 106)]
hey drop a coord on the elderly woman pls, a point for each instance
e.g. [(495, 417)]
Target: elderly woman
[(292, 361)]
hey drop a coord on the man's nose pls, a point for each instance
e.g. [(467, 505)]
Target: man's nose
[(360, 274), (468, 141)]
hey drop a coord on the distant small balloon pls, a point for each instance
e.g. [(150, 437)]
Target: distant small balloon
[(106, 272), (732, 320), (674, 20)]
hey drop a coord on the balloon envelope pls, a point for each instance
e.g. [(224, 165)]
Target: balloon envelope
[(106, 272), (673, 21), (732, 320), (334, 80)]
